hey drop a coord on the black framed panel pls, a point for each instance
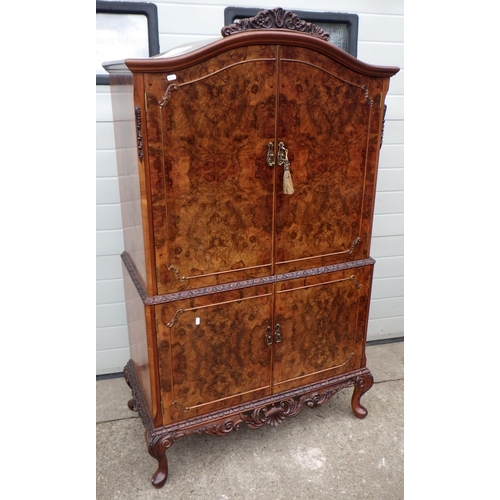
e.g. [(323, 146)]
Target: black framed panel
[(343, 28), (124, 30)]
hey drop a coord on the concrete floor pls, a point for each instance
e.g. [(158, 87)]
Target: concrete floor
[(323, 453)]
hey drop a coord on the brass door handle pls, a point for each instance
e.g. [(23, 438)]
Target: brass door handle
[(277, 335), (282, 154), (282, 161)]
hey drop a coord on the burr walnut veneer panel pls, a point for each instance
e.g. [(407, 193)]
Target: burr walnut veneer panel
[(213, 192)]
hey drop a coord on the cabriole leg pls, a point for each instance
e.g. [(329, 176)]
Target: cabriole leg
[(158, 450), (362, 384)]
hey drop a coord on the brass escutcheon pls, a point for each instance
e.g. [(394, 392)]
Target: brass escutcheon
[(268, 338), (270, 154), (277, 333)]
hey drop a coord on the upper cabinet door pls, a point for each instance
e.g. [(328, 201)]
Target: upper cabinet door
[(213, 199), (329, 122), (218, 210)]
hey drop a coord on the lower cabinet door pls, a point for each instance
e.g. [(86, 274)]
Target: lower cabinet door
[(320, 325), (213, 355), (220, 350)]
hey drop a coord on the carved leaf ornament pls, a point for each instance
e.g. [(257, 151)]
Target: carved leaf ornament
[(275, 19)]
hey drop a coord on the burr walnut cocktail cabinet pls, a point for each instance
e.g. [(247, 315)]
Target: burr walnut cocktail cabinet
[(247, 171)]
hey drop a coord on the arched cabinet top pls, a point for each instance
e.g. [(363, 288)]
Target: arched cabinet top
[(269, 27)]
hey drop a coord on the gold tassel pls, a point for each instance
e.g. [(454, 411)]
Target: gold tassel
[(287, 181)]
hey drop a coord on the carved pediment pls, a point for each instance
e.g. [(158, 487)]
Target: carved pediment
[(275, 19)]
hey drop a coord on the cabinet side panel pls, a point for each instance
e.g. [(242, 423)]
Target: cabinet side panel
[(128, 130), (125, 128), (136, 320), (374, 145)]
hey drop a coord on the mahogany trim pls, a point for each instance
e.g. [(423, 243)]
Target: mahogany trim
[(257, 37), (151, 300)]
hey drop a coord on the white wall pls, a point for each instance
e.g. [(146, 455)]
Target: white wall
[(380, 41)]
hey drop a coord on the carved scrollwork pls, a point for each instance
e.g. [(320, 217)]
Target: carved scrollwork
[(319, 399), (138, 126), (158, 445), (322, 397), (275, 19), (136, 403), (364, 382), (383, 126), (224, 428), (273, 414)]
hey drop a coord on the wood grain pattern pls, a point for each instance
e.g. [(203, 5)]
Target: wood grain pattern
[(319, 319), (212, 204), (214, 354), (216, 124), (326, 115)]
